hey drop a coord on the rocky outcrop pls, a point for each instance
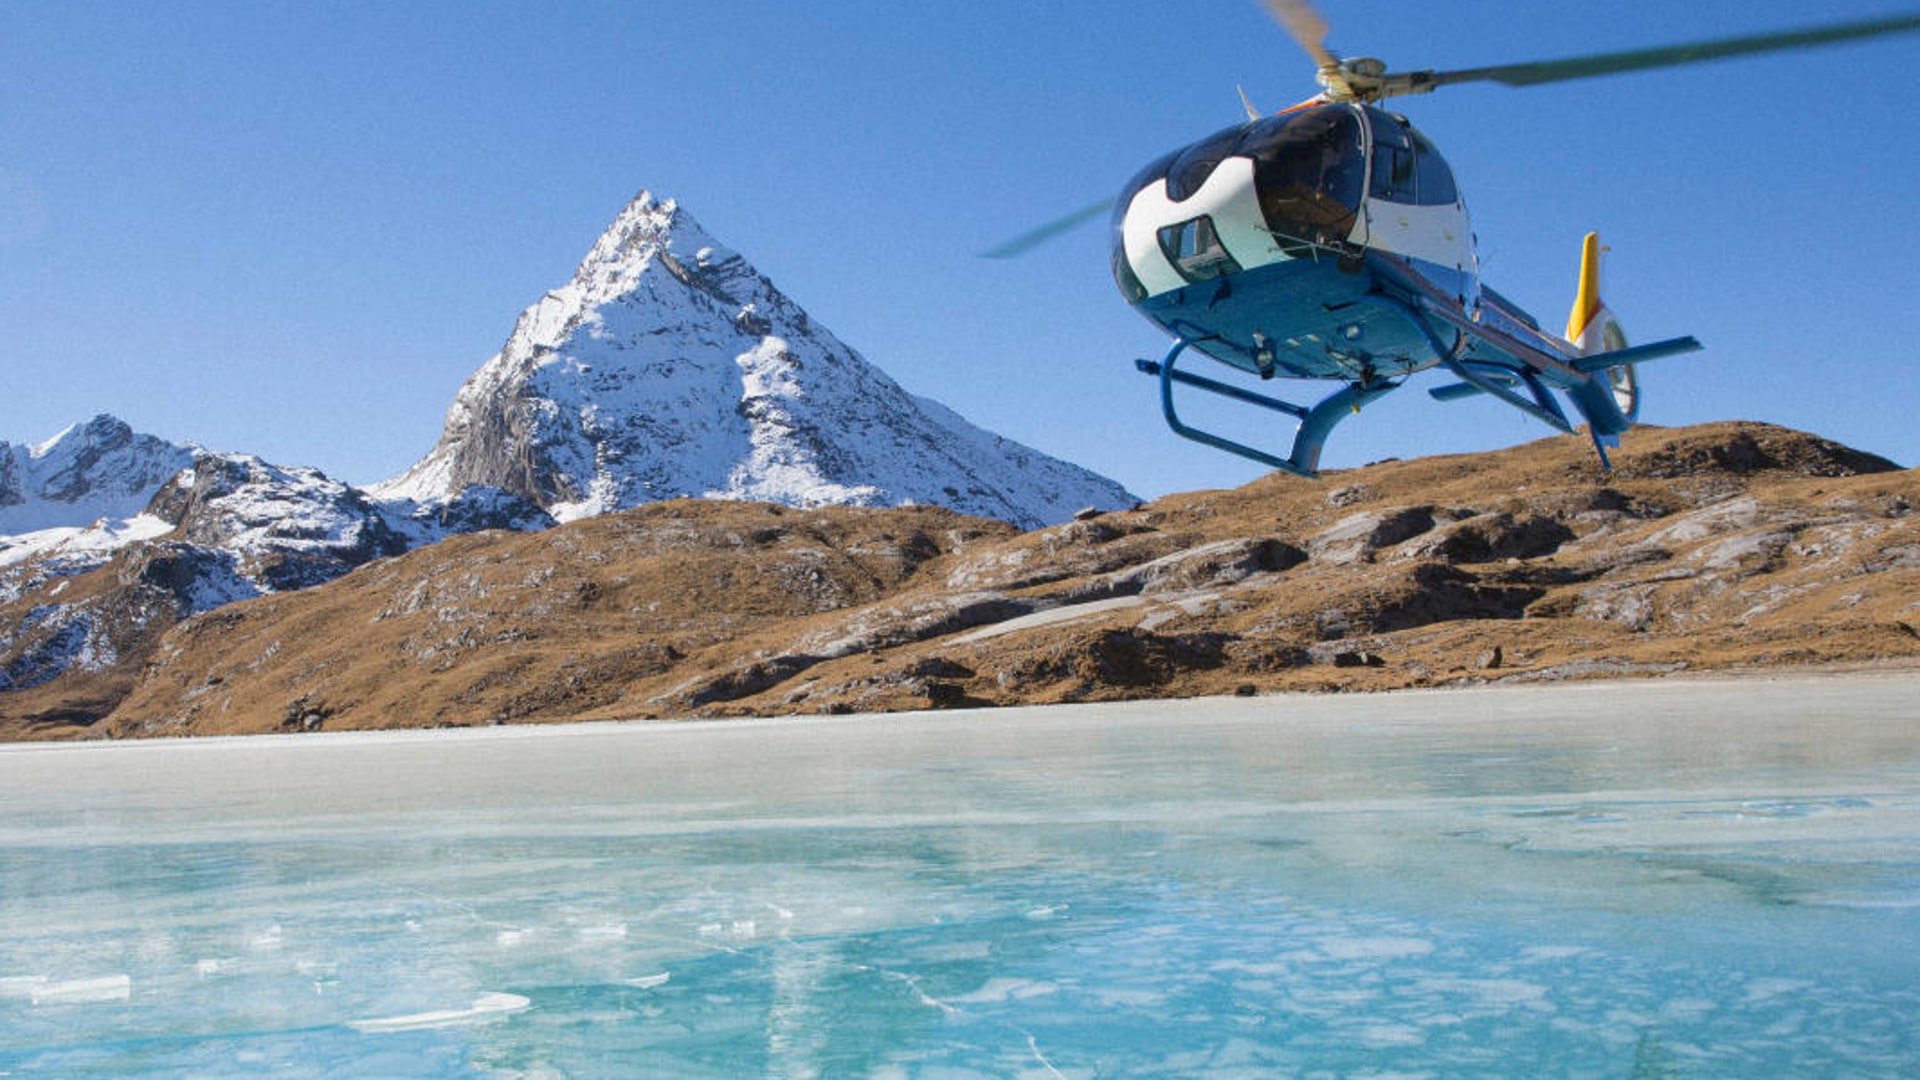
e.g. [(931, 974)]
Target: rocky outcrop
[(82, 608), (290, 528)]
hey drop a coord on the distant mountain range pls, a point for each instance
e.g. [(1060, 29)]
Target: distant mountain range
[(1726, 546), (666, 367), (99, 469)]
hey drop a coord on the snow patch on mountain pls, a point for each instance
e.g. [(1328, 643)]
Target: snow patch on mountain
[(69, 637)]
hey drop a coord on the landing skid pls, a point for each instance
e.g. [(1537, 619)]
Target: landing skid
[(1316, 423)]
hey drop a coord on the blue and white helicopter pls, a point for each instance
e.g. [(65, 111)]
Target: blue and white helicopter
[(1330, 241)]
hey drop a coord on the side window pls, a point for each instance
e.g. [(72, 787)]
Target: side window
[(1393, 174), (1195, 250), (1406, 167), (1434, 179), (1393, 161)]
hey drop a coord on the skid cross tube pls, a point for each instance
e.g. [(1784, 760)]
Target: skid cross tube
[(1223, 389), (1315, 423), (1482, 377)]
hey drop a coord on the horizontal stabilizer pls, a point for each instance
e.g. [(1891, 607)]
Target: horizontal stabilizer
[(1454, 391), (1587, 365)]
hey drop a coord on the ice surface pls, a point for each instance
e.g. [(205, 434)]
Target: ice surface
[(1690, 879)]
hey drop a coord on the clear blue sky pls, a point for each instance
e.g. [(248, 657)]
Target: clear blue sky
[(292, 229)]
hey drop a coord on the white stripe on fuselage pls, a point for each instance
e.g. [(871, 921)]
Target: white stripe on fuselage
[(1228, 197)]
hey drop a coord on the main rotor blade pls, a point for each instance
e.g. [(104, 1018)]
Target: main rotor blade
[(1581, 67), (1026, 242), (1305, 26)]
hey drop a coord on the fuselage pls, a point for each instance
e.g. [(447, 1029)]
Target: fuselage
[(1251, 243)]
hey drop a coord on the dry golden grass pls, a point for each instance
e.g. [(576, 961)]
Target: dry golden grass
[(1719, 547)]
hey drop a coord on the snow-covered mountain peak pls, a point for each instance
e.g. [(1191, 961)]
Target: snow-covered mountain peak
[(652, 252), (668, 366), (645, 228), (99, 468)]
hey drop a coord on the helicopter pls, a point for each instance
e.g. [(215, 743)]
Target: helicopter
[(1330, 241)]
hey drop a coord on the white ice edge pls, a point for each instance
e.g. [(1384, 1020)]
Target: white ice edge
[(42, 991), (20, 987), (485, 1007)]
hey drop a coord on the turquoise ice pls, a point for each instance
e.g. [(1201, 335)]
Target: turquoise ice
[(1703, 878)]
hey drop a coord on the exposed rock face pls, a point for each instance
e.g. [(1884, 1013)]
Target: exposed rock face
[(668, 367), (1766, 548), (475, 508), (290, 527)]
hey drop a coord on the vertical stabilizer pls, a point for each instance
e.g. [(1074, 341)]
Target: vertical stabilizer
[(1588, 322), (1611, 399)]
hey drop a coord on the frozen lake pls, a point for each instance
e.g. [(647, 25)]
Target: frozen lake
[(1650, 879)]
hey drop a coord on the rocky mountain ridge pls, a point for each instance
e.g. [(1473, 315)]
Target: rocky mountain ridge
[(93, 470), (1724, 546)]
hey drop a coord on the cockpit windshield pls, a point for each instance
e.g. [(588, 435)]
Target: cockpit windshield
[(1192, 167), (1310, 169)]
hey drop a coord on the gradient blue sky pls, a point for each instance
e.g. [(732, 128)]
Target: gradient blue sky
[(292, 229)]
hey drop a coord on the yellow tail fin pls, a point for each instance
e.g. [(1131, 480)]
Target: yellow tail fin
[(1587, 306)]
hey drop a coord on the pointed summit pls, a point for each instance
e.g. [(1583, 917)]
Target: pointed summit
[(645, 228), (668, 367)]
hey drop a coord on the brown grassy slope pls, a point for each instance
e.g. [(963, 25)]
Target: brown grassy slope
[(1712, 547), (495, 627), (135, 617)]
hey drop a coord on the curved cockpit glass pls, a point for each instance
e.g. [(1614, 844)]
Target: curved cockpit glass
[(1192, 166), (1310, 169)]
